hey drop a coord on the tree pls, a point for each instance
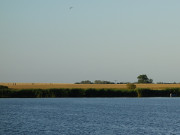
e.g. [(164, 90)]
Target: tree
[(86, 82), (102, 82), (98, 82), (144, 79)]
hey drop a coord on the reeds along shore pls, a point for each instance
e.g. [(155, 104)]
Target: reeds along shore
[(6, 92)]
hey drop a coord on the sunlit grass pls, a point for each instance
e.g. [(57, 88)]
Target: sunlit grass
[(85, 86)]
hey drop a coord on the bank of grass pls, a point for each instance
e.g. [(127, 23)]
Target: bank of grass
[(158, 93), (6, 92), (86, 86)]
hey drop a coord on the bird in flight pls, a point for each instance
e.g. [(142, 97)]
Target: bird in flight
[(70, 8)]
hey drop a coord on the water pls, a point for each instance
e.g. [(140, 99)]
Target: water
[(90, 116)]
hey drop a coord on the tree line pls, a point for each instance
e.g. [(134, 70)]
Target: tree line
[(95, 82), (141, 79)]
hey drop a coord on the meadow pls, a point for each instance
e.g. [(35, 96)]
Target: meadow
[(85, 86)]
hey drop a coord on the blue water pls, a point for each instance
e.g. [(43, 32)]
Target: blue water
[(90, 116)]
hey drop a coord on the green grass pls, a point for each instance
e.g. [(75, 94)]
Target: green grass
[(6, 92)]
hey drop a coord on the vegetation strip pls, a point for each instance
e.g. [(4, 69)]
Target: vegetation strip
[(6, 92)]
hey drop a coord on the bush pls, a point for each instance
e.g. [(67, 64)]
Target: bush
[(153, 93), (4, 91), (131, 86), (174, 91), (59, 92), (76, 92), (44, 93), (24, 93), (144, 92), (3, 87), (91, 92)]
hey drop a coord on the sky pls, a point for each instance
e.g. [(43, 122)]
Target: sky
[(67, 41)]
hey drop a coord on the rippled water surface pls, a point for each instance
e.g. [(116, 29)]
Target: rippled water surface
[(90, 116)]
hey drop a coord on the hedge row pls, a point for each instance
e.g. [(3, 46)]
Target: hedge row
[(41, 93)]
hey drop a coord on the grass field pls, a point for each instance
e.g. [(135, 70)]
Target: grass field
[(85, 86)]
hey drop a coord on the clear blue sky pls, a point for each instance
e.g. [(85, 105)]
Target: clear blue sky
[(66, 41)]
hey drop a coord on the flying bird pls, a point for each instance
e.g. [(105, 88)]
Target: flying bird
[(70, 8)]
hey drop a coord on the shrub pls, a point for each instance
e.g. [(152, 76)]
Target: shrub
[(3, 87), (76, 92), (4, 91), (90, 92), (28, 93), (144, 92), (174, 91), (63, 92), (131, 86)]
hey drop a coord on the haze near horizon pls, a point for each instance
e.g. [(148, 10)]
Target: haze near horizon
[(67, 41)]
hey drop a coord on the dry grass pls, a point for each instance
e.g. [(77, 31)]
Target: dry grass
[(84, 86)]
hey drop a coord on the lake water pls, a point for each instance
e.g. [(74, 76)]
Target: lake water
[(90, 116)]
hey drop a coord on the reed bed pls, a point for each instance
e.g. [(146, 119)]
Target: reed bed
[(6, 92)]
